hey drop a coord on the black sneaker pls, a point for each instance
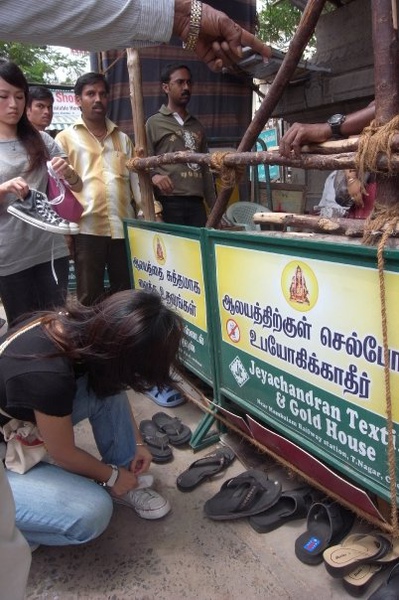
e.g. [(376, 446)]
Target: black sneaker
[(35, 209)]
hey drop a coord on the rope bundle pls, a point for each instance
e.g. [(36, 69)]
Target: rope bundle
[(229, 176)]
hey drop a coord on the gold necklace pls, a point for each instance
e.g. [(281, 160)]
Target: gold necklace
[(99, 136)]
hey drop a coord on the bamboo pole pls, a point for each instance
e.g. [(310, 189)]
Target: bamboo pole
[(136, 98), (298, 44)]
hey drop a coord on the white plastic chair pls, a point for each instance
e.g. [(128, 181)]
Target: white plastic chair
[(241, 213)]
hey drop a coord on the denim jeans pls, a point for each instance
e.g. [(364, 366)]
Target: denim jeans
[(58, 508), (14, 551)]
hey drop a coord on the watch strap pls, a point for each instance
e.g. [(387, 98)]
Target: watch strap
[(114, 476), (335, 122)]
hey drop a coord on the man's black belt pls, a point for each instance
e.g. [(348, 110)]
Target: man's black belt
[(185, 198)]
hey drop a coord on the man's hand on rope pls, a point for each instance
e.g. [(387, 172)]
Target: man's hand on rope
[(220, 39)]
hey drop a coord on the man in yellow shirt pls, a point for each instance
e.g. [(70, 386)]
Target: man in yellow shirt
[(98, 150)]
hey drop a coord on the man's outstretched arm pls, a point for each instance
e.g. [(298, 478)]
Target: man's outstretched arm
[(110, 24), (300, 134)]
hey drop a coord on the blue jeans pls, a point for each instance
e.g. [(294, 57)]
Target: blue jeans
[(57, 508)]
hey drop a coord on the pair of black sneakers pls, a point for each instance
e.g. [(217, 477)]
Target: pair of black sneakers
[(36, 210)]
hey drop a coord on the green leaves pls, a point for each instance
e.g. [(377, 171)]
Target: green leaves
[(44, 64), (278, 21)]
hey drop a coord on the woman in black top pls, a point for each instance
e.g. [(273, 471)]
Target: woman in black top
[(68, 366)]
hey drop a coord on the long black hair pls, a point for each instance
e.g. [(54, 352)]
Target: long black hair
[(130, 339), (27, 134)]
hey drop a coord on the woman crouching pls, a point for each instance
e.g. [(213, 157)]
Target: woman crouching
[(63, 367)]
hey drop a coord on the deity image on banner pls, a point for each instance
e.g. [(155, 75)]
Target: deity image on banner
[(298, 290)]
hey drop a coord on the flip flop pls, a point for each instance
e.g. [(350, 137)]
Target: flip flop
[(242, 496), (167, 396), (204, 468), (157, 442), (327, 524), (292, 504), (177, 433), (358, 580), (356, 549), (390, 589)]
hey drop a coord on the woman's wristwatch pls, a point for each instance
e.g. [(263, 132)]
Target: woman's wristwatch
[(114, 476)]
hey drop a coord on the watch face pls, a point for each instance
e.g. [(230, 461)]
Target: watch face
[(337, 119)]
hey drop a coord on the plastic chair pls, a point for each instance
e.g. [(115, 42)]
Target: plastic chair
[(241, 213)]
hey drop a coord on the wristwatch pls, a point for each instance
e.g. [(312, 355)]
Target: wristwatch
[(335, 122), (114, 476)]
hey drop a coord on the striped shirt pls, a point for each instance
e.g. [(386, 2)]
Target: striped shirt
[(107, 194), (92, 25)]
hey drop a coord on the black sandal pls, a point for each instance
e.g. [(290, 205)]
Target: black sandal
[(204, 468), (156, 442), (175, 430), (247, 494)]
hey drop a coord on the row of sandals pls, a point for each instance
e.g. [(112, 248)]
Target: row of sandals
[(355, 558)]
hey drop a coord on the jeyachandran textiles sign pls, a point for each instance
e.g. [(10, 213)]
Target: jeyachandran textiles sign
[(301, 348)]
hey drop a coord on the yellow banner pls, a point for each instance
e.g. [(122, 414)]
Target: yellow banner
[(172, 266), (317, 320)]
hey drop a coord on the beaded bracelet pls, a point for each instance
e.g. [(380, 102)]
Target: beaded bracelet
[(195, 25), (141, 444)]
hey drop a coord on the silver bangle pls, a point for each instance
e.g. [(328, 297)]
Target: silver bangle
[(195, 25), (114, 476)]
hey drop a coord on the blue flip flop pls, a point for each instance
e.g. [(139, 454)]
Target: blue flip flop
[(167, 397)]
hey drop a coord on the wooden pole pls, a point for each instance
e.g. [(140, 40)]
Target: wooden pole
[(298, 44), (327, 225), (323, 162), (386, 79), (136, 97)]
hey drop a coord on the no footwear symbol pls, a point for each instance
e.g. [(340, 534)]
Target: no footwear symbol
[(233, 331)]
